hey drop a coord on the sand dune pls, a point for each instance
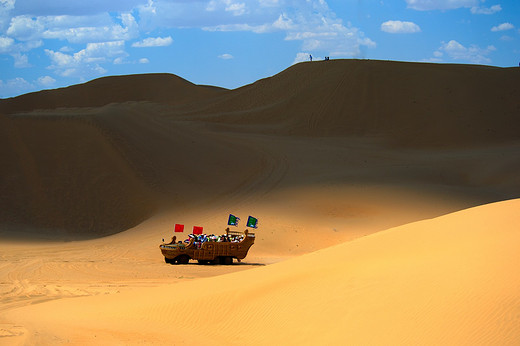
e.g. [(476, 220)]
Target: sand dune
[(99, 171), (332, 157), (159, 87), (445, 280), (133, 145), (439, 104)]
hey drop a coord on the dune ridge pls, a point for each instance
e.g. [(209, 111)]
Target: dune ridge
[(439, 104), (154, 87)]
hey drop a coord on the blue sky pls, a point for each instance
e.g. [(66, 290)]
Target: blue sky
[(230, 43)]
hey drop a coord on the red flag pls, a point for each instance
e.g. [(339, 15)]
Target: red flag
[(179, 228), (197, 230)]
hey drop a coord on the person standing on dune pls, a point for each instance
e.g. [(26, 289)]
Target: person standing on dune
[(310, 57)]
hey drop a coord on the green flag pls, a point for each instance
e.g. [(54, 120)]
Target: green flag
[(233, 220), (252, 222)]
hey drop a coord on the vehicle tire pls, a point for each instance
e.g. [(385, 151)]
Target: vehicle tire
[(184, 259), (227, 260), (216, 260), (168, 260)]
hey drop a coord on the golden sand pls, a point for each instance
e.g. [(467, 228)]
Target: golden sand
[(385, 193)]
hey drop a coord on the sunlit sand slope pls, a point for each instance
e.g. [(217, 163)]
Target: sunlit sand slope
[(448, 280)]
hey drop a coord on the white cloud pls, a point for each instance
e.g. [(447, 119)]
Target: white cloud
[(86, 62), (6, 44), (330, 36), (99, 51), (225, 56), (301, 57), (119, 61), (506, 38), (310, 21), (9, 46), (237, 9), (75, 29), (67, 21), (473, 5), (28, 45), (472, 54), (259, 29), (399, 27), (283, 23), (89, 34), (25, 28), (428, 5), (15, 86), (212, 6), (269, 3), (46, 81), (60, 59), (486, 10), (6, 6), (154, 42), (503, 27), (21, 60)]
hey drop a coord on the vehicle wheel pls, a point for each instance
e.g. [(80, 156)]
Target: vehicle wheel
[(227, 260), (183, 259), (216, 260), (168, 260)]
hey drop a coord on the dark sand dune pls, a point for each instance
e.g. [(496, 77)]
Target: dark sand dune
[(56, 173), (100, 171), (101, 157), (406, 103), (158, 87)]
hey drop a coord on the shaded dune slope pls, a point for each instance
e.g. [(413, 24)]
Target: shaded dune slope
[(406, 103), (98, 158), (105, 170), (58, 173), (94, 159)]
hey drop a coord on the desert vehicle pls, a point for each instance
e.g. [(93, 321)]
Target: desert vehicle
[(214, 252)]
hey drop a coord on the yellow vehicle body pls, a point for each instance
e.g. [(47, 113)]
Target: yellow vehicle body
[(210, 251)]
